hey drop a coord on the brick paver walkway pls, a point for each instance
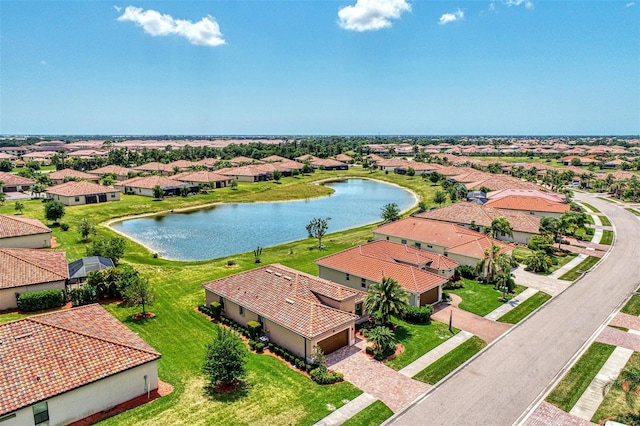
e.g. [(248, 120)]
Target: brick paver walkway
[(613, 336), (631, 322), (550, 415), (486, 329), (540, 282), (375, 378), (511, 304)]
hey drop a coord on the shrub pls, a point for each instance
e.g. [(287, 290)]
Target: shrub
[(466, 271), (252, 344), (40, 300), (453, 285), (254, 329), (64, 226), (82, 296), (259, 347), (369, 350), (418, 314), (322, 376), (215, 308)]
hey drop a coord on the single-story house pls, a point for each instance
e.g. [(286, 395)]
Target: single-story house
[(10, 158), (74, 193), (42, 157), (243, 161), (470, 214), (59, 176), (250, 173), (464, 246), (345, 158), (27, 270), (551, 196), (121, 173), (155, 167), (584, 161), (215, 180), (360, 266), (64, 366), (181, 165), (144, 185), (80, 269), (23, 232), (536, 206), (15, 183), (297, 310)]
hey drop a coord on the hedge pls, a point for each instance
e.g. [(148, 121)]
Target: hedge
[(418, 314), (40, 300)]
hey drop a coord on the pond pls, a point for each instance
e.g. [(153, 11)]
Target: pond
[(227, 229)]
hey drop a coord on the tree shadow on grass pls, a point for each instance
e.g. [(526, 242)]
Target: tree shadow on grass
[(402, 333), (227, 394)]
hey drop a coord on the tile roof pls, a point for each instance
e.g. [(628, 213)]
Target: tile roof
[(61, 174), (21, 267), (482, 215), (154, 167), (182, 164), (202, 176), (14, 226), (524, 203), (551, 196), (116, 170), (287, 297), (243, 160), (149, 182), (46, 355), (453, 238), (10, 179), (72, 188), (380, 259)]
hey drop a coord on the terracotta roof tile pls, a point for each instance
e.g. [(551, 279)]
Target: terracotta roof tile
[(148, 182), (21, 267), (10, 179), (517, 202), (154, 167), (64, 173), (116, 170), (14, 226), (73, 188), (202, 176), (46, 355)]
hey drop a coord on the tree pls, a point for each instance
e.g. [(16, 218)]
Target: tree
[(386, 298), (493, 263), (411, 171), (6, 166), (3, 197), (86, 228), (108, 179), (53, 211), (538, 261), (112, 248), (505, 283), (140, 293), (277, 175), (158, 192), (390, 212), (575, 161), (440, 197), (383, 339), (317, 228), (225, 359), (38, 189), (234, 184), (19, 206), (500, 226)]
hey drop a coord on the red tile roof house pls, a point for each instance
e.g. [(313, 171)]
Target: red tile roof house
[(59, 176), (144, 185), (464, 246), (465, 213), (537, 206), (121, 173), (360, 266), (26, 270), (297, 311), (78, 193), (23, 232), (215, 180), (64, 366), (15, 183), (155, 167)]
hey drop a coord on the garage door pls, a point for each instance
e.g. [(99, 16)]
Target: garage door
[(335, 342), (429, 297)]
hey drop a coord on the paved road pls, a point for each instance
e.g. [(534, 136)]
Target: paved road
[(498, 386)]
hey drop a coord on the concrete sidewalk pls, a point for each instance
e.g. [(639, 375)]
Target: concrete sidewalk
[(592, 397), (569, 266), (498, 312), (434, 354), (347, 411)]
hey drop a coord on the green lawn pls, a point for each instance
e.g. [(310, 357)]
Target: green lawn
[(605, 220), (609, 200), (585, 265), (562, 260), (521, 311), (373, 415), (480, 299), (576, 381), (418, 339), (445, 365), (590, 219), (607, 237), (590, 207), (614, 402), (634, 211), (632, 307)]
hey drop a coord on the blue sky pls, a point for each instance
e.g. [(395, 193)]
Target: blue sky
[(501, 67)]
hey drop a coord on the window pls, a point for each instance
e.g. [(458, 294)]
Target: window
[(363, 283), (241, 310), (418, 245), (7, 417), (347, 277), (222, 303), (387, 238), (77, 199), (503, 233), (359, 309), (40, 413), (403, 241), (260, 320), (113, 195)]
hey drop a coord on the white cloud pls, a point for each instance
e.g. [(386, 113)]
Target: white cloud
[(526, 3), (43, 62), (458, 15), (205, 32), (630, 4), (371, 15)]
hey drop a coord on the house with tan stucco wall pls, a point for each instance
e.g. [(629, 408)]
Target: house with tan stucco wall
[(78, 193), (23, 232)]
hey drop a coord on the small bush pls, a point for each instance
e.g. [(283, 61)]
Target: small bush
[(64, 226), (231, 262), (322, 376), (369, 350), (254, 329), (40, 300), (259, 347), (418, 314), (466, 271), (82, 296), (215, 309), (453, 285)]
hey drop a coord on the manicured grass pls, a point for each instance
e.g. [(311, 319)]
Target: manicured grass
[(520, 253), (445, 365), (418, 339), (614, 402), (521, 311), (607, 237), (634, 211), (577, 379), (632, 307), (590, 219), (590, 207), (605, 220), (562, 260), (585, 265), (373, 415), (480, 299), (609, 200)]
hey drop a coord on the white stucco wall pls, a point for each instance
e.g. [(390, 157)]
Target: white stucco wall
[(27, 241), (8, 295)]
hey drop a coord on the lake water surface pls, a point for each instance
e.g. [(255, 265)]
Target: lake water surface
[(227, 229)]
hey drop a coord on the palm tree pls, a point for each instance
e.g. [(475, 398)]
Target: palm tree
[(538, 261), (386, 298), (629, 383), (501, 226), (493, 263), (383, 339), (505, 283)]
